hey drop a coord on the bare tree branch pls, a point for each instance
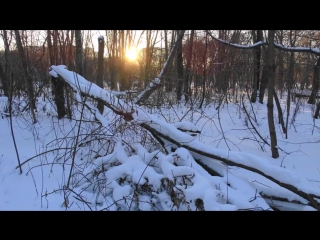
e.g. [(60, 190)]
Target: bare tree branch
[(171, 134), (315, 51), (157, 82)]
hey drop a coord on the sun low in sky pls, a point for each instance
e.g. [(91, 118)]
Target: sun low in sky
[(132, 54)]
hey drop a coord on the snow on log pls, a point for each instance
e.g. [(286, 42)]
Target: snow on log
[(283, 177)]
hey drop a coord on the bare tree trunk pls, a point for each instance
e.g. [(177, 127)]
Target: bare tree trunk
[(280, 114), (122, 61), (169, 82), (70, 53), (316, 82), (79, 51), (290, 82), (6, 51), (100, 69), (57, 84), (221, 50), (264, 79), (147, 57), (317, 112), (281, 65), (112, 59), (63, 55), (166, 54), (187, 91), (62, 47), (7, 75), (27, 76), (271, 76), (255, 84), (4, 82), (259, 38), (179, 66), (256, 61), (204, 72), (281, 74), (4, 71), (59, 57)]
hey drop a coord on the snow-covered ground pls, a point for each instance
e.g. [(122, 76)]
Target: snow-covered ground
[(136, 178)]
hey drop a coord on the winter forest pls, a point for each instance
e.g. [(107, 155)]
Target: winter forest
[(160, 120)]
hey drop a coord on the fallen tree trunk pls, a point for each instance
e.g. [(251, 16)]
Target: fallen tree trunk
[(198, 150), (229, 162)]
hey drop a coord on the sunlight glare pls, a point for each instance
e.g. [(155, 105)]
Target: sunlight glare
[(132, 54)]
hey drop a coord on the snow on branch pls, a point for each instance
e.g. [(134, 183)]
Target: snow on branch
[(315, 51), (170, 133), (83, 86), (130, 182), (257, 44)]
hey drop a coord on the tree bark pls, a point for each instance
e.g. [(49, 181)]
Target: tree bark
[(187, 91), (317, 112), (166, 54), (204, 72), (264, 78), (122, 63), (179, 64), (290, 82), (6, 74), (281, 65), (219, 69), (316, 83), (254, 92), (169, 83), (280, 114), (4, 81), (29, 82), (79, 52), (256, 61), (57, 83), (271, 76), (100, 69), (112, 59)]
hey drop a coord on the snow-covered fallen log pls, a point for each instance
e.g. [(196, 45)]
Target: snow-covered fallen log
[(208, 155), (156, 181)]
